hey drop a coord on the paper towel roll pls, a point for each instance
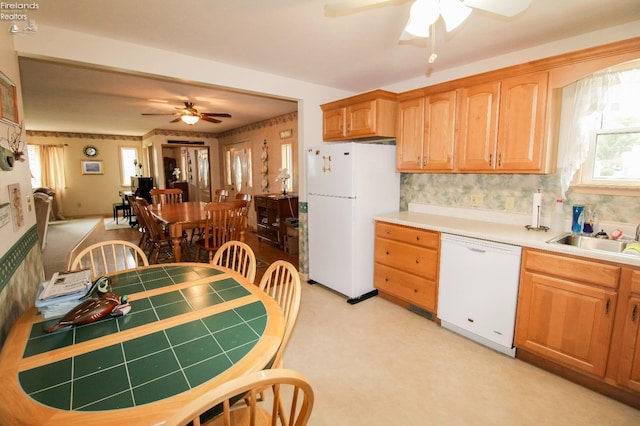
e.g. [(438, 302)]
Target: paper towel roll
[(536, 209)]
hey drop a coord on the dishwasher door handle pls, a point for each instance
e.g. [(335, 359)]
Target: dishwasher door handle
[(477, 250)]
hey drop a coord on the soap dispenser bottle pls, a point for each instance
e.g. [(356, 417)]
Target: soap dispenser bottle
[(557, 220)]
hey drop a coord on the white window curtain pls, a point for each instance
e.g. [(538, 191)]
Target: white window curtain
[(592, 96)]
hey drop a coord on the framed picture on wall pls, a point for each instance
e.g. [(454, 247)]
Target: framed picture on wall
[(8, 101), (91, 167)]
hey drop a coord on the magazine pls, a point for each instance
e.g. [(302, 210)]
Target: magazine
[(66, 283)]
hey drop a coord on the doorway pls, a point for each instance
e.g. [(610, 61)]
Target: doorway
[(188, 168)]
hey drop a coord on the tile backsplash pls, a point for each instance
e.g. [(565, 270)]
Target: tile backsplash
[(510, 193)]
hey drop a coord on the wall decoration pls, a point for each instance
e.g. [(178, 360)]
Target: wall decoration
[(15, 198), (91, 167), (265, 167), (5, 217), (90, 151), (8, 101), (286, 134)]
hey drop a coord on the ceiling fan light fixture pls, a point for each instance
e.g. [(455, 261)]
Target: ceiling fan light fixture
[(423, 13), (190, 119), (453, 13)]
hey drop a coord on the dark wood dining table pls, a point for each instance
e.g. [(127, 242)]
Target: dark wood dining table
[(192, 327), (179, 217)]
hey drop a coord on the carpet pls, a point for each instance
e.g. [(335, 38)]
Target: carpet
[(110, 224), (62, 237)]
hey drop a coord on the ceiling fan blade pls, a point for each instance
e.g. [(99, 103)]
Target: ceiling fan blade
[(159, 113), (500, 7), (175, 120), (344, 7), (210, 119), (215, 114)]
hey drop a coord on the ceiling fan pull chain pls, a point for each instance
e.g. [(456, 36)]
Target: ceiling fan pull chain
[(433, 56)]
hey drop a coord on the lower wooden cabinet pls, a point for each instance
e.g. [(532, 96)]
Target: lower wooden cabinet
[(406, 264), (583, 316), (625, 353)]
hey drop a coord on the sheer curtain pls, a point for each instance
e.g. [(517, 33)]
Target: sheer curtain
[(592, 96), (52, 175)]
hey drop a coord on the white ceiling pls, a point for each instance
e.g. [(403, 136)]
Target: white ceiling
[(356, 52)]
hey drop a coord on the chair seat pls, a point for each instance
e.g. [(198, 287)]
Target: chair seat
[(124, 208)]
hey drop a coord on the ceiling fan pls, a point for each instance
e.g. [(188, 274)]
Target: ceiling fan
[(425, 13), (190, 115)]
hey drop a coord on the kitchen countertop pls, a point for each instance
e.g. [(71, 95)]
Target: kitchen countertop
[(500, 232)]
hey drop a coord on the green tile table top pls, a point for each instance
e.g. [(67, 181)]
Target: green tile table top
[(191, 327)]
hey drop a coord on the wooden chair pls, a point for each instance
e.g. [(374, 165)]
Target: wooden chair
[(166, 196), (224, 222), (281, 281), (109, 256), (220, 195), (237, 256), (135, 208), (292, 399), (247, 198), (157, 238)]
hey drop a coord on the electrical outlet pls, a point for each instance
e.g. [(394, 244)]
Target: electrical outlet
[(476, 200), (509, 203)]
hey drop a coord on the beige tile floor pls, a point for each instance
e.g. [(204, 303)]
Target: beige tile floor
[(376, 363)]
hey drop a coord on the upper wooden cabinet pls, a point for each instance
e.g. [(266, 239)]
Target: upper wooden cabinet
[(426, 133), (501, 126), (370, 115)]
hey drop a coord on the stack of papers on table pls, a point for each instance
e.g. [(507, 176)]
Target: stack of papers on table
[(62, 292)]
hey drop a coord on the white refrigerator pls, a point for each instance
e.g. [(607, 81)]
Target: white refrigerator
[(347, 185)]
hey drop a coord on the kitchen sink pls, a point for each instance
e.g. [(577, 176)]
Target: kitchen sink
[(590, 243)]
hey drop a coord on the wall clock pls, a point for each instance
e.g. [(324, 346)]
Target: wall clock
[(90, 151)]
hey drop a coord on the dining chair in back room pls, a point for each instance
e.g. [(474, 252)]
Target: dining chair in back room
[(166, 196), (224, 222)]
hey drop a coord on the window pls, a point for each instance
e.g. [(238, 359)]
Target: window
[(35, 168), (287, 163), (128, 164), (612, 130)]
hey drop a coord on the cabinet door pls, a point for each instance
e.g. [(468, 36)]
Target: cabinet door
[(439, 131), (361, 119), (417, 290), (410, 135), (333, 124), (523, 103), (477, 127), (629, 369), (565, 321)]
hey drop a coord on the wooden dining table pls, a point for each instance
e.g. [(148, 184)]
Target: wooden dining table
[(179, 217), (192, 327)]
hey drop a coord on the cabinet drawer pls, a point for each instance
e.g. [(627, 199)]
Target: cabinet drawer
[(586, 271), (415, 260), (268, 232), (405, 234), (416, 290)]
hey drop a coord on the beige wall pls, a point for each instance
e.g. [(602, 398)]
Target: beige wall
[(89, 195)]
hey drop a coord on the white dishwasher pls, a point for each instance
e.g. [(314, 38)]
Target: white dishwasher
[(478, 290)]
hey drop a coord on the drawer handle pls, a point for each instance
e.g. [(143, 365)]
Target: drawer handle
[(417, 261), (387, 252), (606, 311), (386, 279), (634, 313), (418, 238), (415, 290), (388, 231)]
